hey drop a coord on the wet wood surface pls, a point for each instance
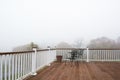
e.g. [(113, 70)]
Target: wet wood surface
[(80, 71)]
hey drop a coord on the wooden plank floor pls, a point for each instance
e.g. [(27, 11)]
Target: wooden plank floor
[(80, 71)]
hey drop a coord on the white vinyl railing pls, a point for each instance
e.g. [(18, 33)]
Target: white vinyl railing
[(104, 55), (45, 58), (19, 65), (92, 54)]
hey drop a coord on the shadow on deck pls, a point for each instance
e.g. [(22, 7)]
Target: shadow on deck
[(80, 71)]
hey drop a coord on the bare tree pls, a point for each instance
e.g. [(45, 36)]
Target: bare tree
[(78, 43)]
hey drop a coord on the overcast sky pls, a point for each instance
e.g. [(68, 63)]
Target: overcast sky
[(53, 21)]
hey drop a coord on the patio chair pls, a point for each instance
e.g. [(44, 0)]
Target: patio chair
[(71, 56), (80, 54)]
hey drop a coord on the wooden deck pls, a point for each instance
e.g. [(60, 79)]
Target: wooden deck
[(80, 71)]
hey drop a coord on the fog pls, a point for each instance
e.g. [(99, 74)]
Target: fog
[(48, 22)]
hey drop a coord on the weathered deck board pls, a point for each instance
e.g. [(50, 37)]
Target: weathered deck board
[(80, 71)]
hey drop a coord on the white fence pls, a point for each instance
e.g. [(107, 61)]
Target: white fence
[(18, 65), (104, 55), (92, 54)]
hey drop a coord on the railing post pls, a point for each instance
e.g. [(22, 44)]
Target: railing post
[(34, 62), (55, 53), (87, 55), (48, 56)]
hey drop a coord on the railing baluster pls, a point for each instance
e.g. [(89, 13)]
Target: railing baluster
[(1, 67), (27, 62), (112, 55), (98, 55), (9, 72), (21, 69), (26, 67), (117, 55), (13, 64), (18, 66), (24, 64), (38, 60), (108, 54), (31, 62), (5, 73)]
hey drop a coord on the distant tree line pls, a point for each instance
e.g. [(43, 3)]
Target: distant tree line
[(27, 47), (104, 42)]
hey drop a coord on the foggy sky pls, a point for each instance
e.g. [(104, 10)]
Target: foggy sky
[(47, 22)]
